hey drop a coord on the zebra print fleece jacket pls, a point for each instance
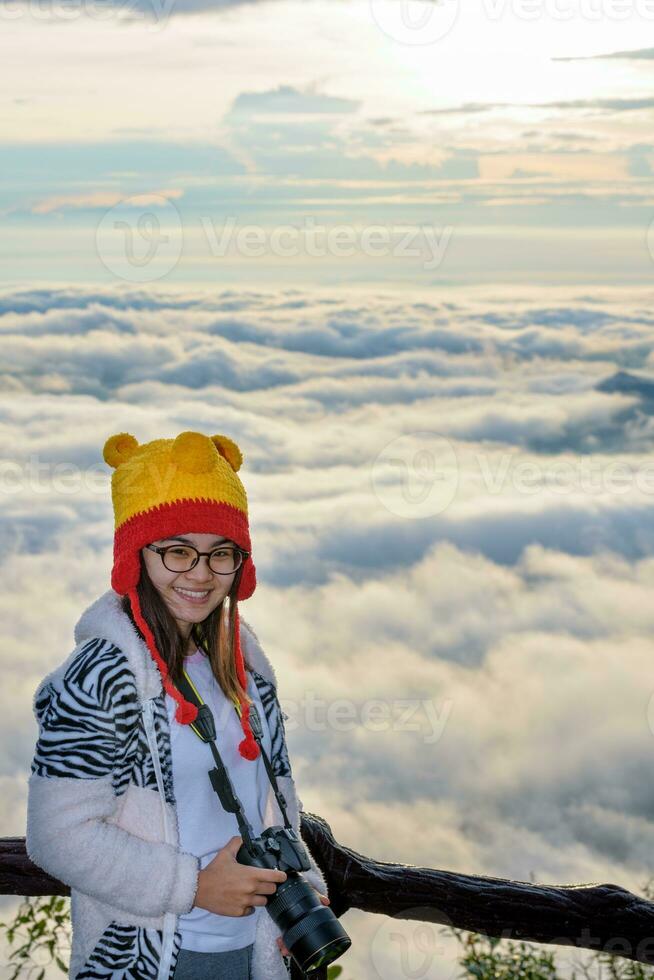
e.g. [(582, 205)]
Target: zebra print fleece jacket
[(101, 811)]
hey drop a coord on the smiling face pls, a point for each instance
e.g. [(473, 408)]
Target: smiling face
[(190, 596)]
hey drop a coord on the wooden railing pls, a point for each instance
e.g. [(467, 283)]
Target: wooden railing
[(601, 917)]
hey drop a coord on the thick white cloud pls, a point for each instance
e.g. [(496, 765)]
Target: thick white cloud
[(467, 687)]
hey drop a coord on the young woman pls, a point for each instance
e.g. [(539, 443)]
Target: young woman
[(120, 805)]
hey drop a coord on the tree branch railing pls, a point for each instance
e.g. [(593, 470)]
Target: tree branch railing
[(599, 917)]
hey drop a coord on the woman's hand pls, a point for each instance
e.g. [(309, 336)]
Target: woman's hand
[(227, 887), (280, 942)]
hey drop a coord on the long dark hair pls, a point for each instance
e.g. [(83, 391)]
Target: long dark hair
[(213, 635)]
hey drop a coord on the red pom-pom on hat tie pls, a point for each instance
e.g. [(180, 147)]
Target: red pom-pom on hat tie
[(248, 748), (187, 712)]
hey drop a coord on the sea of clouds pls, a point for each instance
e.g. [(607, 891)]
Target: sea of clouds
[(452, 514)]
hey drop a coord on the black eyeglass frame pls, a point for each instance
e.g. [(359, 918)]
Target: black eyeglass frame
[(162, 549)]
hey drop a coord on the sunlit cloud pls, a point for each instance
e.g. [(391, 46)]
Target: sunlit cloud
[(639, 54), (101, 199)]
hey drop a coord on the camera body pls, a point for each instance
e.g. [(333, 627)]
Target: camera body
[(310, 930), (278, 848)]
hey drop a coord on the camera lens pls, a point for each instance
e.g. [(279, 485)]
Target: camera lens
[(310, 930)]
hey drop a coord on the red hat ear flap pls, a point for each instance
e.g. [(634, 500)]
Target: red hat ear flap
[(248, 581), (229, 450), (119, 448)]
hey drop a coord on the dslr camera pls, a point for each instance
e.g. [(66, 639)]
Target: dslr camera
[(310, 930)]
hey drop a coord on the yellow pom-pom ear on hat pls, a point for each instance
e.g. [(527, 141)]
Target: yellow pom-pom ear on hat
[(228, 448), (119, 448), (193, 452)]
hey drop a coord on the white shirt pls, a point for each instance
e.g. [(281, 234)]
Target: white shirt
[(204, 827)]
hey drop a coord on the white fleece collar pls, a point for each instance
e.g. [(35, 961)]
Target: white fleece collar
[(105, 619)]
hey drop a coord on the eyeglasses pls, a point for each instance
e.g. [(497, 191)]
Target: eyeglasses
[(183, 557)]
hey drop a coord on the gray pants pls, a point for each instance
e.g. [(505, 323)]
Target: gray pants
[(233, 965)]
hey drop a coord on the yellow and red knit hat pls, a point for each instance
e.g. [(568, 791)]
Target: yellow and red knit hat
[(167, 487)]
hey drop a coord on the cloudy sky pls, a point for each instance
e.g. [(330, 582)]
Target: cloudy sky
[(226, 143), (404, 258), (451, 508)]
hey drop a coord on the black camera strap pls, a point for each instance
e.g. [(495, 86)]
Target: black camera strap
[(205, 728)]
